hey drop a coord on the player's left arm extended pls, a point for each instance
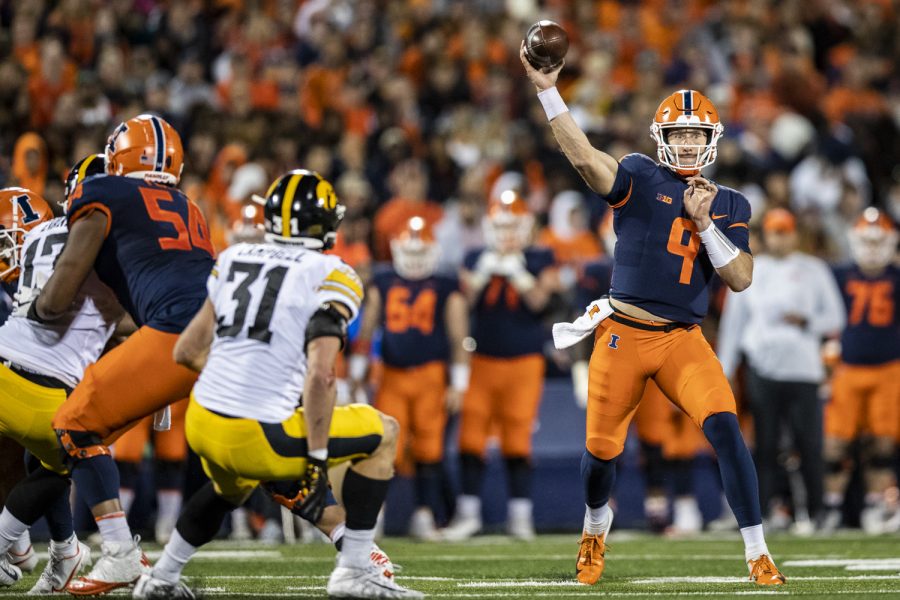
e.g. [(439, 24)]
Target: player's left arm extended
[(192, 347), (733, 265), (73, 266)]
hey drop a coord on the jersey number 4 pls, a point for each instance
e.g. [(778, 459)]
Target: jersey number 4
[(685, 248), (194, 235), (243, 296)]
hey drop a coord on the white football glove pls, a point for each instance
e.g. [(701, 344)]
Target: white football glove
[(512, 266), (23, 298), (486, 267)]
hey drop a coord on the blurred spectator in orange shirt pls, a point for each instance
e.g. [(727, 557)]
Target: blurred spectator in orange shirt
[(55, 77), (29, 168), (568, 233), (408, 182)]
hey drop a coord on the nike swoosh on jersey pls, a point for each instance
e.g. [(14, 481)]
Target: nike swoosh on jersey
[(715, 216)]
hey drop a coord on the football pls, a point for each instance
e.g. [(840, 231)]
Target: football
[(546, 44)]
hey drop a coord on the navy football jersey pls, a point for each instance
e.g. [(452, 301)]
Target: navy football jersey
[(872, 335), (157, 253), (503, 324), (661, 264), (412, 318)]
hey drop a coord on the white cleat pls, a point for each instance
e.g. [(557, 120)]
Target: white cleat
[(872, 520), (421, 526), (26, 561), (120, 565), (461, 528), (60, 570), (347, 582), (686, 516), (9, 574), (378, 558), (149, 587)]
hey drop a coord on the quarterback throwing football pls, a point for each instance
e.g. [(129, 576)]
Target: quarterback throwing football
[(675, 230)]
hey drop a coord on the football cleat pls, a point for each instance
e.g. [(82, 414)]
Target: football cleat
[(461, 528), (378, 558), (149, 587), (120, 565), (60, 570), (370, 582), (764, 572), (592, 555), (9, 574), (421, 526), (26, 561)]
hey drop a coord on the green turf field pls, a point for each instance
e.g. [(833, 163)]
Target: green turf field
[(639, 566)]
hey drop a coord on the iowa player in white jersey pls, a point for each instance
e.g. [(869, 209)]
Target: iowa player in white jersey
[(267, 337), (39, 366)]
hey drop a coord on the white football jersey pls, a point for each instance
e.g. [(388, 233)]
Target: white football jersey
[(65, 347), (264, 296)]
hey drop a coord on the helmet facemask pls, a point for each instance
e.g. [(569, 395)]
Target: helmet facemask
[(668, 154), (873, 242)]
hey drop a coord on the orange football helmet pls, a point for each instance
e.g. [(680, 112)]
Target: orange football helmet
[(508, 223), (145, 147), (686, 109), (414, 251), (20, 210), (873, 240)]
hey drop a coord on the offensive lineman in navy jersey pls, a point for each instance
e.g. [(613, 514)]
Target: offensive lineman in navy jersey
[(151, 246), (675, 229)]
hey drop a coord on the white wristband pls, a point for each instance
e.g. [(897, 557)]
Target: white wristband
[(718, 247), (318, 454), (459, 376), (552, 102), (356, 367)]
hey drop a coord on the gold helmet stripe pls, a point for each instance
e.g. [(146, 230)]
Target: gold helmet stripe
[(286, 202), (82, 170)]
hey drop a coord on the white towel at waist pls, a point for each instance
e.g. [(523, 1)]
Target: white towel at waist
[(569, 334)]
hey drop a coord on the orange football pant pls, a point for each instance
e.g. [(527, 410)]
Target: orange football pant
[(133, 380), (864, 398), (169, 445), (681, 362), (660, 423), (415, 397), (504, 392)]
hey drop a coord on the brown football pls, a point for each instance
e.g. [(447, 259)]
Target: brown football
[(546, 44)]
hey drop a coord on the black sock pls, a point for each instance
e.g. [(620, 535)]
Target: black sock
[(36, 494), (518, 473), (472, 474), (202, 516), (363, 498)]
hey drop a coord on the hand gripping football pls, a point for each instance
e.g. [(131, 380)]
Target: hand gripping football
[(546, 44)]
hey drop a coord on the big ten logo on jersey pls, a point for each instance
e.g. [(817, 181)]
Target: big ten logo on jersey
[(405, 310), (872, 301), (684, 242), (169, 211), (245, 294)]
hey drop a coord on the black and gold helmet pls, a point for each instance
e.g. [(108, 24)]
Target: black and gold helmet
[(90, 165), (302, 208)]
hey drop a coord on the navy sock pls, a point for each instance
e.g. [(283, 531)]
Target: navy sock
[(683, 476), (518, 473), (129, 473), (598, 477), (96, 478), (428, 485), (169, 474), (472, 474), (736, 466)]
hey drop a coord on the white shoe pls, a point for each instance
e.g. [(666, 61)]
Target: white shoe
[(120, 565), (872, 520), (421, 526), (378, 558), (153, 588), (162, 530), (9, 574), (26, 561), (461, 528), (347, 582), (686, 517), (60, 570), (520, 520)]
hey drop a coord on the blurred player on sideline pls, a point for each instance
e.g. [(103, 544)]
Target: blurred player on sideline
[(424, 318)]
